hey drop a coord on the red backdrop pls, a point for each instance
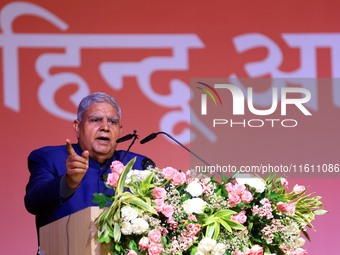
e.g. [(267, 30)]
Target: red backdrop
[(144, 54)]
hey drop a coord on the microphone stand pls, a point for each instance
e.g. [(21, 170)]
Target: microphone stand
[(172, 138), (135, 136)]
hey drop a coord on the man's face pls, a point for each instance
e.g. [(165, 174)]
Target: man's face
[(98, 131)]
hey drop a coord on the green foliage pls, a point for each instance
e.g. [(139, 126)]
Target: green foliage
[(100, 199), (133, 246), (213, 223), (109, 221)]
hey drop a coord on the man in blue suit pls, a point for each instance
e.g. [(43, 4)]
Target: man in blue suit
[(64, 178)]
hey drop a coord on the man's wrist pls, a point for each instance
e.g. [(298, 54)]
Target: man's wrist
[(65, 190)]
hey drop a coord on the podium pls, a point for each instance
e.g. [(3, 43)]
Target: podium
[(73, 235)]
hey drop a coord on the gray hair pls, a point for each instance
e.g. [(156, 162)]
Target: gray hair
[(98, 97)]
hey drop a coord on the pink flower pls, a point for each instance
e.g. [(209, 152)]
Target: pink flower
[(117, 167), (155, 249), (192, 217), (112, 179), (298, 251), (194, 229), (256, 250), (174, 246), (172, 222), (159, 193), (169, 172), (284, 182), (281, 206), (164, 231), (290, 208), (265, 201), (240, 218), (239, 189), (287, 208), (298, 189), (229, 187), (143, 243), (179, 179), (167, 210), (234, 199), (132, 252), (246, 196), (240, 253), (160, 204), (155, 236)]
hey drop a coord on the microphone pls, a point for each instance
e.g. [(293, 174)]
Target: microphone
[(153, 136), (126, 137), (149, 138), (146, 162)]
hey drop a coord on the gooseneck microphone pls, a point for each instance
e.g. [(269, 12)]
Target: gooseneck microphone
[(149, 138), (126, 138), (154, 135)]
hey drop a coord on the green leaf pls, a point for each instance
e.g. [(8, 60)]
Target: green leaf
[(139, 203), (225, 225), (217, 227), (164, 240), (273, 195), (103, 239), (117, 247), (133, 246), (235, 225), (121, 180), (117, 234), (148, 179), (193, 250), (224, 213), (147, 200), (211, 219), (306, 235), (250, 226), (100, 199), (131, 185), (224, 178), (210, 231), (320, 212), (218, 193)]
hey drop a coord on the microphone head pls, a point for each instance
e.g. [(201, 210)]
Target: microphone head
[(124, 138), (149, 138)]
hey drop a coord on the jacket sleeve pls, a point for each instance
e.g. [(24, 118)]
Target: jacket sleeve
[(43, 189)]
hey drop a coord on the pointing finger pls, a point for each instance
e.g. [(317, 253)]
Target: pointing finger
[(69, 148)]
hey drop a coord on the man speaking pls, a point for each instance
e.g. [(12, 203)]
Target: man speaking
[(64, 178)]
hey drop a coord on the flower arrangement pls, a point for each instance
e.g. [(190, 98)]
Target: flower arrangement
[(171, 212)]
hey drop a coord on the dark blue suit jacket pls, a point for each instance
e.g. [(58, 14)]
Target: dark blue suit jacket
[(47, 166)]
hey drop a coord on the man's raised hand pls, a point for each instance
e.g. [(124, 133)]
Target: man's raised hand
[(76, 166)]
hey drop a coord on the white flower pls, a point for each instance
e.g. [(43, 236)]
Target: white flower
[(300, 242), (219, 249), (206, 245), (194, 205), (126, 228), (139, 175), (195, 189), (199, 253), (139, 226), (129, 213), (252, 181)]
